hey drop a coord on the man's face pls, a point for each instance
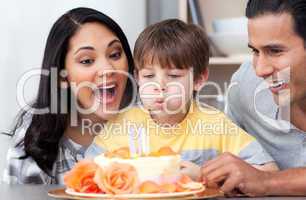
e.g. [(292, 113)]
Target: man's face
[(279, 56)]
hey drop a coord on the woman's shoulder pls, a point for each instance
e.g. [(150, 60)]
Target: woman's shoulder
[(23, 169), (20, 168), (69, 153)]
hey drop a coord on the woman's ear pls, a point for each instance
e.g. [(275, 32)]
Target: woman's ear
[(199, 82)]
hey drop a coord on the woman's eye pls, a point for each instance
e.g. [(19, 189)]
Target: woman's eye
[(87, 61), (116, 55)]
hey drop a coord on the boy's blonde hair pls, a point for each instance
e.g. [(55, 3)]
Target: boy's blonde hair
[(173, 44)]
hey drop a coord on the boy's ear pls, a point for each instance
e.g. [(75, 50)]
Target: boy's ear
[(201, 80)]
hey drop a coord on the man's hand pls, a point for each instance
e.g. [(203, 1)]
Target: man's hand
[(236, 174)]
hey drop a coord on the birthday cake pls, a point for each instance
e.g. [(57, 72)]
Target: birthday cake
[(158, 166), (119, 172)]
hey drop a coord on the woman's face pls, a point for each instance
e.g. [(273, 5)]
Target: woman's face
[(96, 65)]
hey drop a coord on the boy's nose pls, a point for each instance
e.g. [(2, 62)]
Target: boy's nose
[(161, 85), (163, 89), (160, 88)]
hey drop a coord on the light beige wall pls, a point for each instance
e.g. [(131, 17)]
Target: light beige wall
[(218, 9)]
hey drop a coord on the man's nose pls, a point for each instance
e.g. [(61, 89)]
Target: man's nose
[(263, 67)]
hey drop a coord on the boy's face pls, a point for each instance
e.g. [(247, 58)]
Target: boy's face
[(165, 91)]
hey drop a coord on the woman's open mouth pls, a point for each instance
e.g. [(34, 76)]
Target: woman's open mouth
[(106, 94)]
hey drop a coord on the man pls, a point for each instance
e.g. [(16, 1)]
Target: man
[(277, 37)]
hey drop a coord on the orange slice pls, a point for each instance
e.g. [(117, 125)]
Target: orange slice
[(149, 187)]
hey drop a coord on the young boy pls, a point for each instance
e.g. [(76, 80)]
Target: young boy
[(171, 60)]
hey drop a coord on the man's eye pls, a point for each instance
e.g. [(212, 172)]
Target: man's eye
[(275, 51), (87, 61), (116, 55), (254, 51)]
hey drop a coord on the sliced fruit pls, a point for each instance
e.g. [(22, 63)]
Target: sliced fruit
[(168, 188), (165, 151), (184, 179), (180, 188), (122, 152), (187, 183), (149, 187)]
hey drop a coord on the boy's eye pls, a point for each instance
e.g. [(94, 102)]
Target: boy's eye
[(148, 75), (173, 75), (87, 61), (115, 56)]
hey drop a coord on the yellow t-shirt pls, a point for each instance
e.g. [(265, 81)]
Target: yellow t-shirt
[(202, 135)]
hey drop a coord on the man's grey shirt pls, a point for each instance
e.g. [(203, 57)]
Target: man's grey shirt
[(252, 108)]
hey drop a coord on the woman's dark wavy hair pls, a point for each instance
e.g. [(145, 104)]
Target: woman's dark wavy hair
[(45, 130), (296, 8)]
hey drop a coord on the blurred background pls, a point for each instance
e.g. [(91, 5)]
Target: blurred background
[(26, 24)]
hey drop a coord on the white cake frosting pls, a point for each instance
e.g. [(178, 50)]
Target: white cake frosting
[(148, 168)]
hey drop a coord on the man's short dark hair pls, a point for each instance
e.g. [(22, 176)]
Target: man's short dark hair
[(296, 8)]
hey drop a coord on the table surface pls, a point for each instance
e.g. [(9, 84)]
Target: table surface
[(36, 192)]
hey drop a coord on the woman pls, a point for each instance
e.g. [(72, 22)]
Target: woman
[(89, 55)]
